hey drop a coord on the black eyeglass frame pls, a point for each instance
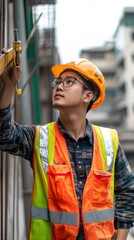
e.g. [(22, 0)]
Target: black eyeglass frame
[(62, 81)]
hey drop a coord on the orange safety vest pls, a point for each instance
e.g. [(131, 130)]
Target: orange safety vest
[(55, 209)]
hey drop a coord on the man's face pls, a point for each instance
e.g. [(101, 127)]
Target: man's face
[(68, 97)]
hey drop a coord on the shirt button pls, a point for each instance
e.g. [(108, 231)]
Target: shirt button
[(80, 182), (78, 146)]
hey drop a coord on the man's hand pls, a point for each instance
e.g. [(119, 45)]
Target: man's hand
[(8, 82), (121, 234)]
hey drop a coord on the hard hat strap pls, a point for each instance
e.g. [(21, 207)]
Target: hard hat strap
[(90, 105)]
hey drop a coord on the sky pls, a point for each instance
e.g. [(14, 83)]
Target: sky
[(83, 24)]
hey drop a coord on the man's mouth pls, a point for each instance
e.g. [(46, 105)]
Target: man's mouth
[(58, 95)]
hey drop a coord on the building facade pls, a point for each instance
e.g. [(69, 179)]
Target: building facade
[(116, 61)]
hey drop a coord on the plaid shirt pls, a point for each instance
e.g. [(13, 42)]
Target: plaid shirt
[(18, 140)]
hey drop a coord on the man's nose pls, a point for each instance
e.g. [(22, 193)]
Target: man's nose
[(60, 85)]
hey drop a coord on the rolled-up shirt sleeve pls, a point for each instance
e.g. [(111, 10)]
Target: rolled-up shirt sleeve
[(14, 138), (124, 192)]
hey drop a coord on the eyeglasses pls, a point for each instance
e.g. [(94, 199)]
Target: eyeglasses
[(67, 82)]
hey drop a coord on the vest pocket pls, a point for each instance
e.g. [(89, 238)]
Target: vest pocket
[(102, 231), (100, 190), (63, 232), (58, 176)]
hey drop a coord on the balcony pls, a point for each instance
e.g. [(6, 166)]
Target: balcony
[(41, 2)]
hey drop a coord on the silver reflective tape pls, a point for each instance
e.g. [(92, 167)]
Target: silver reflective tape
[(54, 216), (99, 215), (44, 146), (40, 213), (64, 218), (108, 146)]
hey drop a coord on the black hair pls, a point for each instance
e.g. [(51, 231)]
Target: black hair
[(90, 85)]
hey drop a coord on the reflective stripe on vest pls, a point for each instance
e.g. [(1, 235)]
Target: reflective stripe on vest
[(44, 146), (99, 215), (108, 142), (108, 146), (54, 216)]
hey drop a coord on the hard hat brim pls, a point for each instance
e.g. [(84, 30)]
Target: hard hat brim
[(60, 68)]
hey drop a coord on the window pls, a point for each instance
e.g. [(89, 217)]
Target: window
[(132, 57), (123, 89), (123, 112), (122, 63), (132, 36), (109, 75), (96, 55), (128, 19), (110, 93)]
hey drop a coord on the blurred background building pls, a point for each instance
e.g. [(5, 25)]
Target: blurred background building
[(35, 20), (116, 60)]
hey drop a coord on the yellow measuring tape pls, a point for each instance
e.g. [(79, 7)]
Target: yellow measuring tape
[(12, 55)]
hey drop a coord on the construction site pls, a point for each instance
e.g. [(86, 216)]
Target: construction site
[(20, 22)]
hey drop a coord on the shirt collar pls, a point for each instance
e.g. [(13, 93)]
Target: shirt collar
[(88, 132)]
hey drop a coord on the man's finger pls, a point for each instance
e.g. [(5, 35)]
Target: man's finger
[(4, 50)]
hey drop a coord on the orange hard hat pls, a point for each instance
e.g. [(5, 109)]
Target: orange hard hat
[(89, 71)]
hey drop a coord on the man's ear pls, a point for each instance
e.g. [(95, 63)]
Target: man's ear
[(88, 96)]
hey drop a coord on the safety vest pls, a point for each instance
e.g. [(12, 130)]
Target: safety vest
[(55, 209)]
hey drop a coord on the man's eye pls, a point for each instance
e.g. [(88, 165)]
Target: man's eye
[(68, 81), (58, 82)]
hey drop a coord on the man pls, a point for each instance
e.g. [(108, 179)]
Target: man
[(79, 169)]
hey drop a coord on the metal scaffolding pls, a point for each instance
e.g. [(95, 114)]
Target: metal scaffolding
[(32, 107)]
